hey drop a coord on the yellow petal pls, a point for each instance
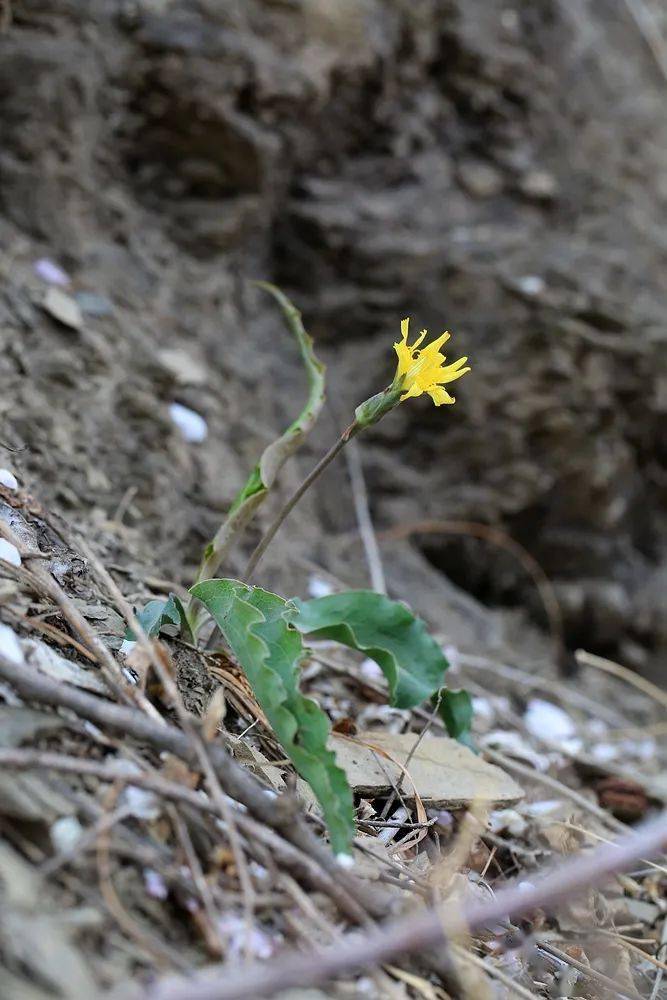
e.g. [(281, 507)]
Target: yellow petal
[(405, 323), (440, 395), (414, 390)]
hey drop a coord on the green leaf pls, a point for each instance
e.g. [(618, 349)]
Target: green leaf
[(159, 613), (263, 476), (384, 630), (270, 650), (455, 710)]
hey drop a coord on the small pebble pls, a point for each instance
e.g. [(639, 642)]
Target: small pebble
[(192, 425), (9, 552), (8, 480), (345, 860)]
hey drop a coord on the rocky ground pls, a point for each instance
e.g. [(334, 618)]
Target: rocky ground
[(496, 170)]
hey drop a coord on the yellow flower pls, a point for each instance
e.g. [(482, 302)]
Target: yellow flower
[(425, 370)]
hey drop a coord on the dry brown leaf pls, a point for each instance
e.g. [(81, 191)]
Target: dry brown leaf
[(444, 772)]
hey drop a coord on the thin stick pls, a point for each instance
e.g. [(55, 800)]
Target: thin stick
[(616, 670), (412, 933), (545, 779), (649, 29), (356, 896), (294, 499), (362, 510), (585, 970), (293, 859), (491, 970), (212, 934), (44, 583), (185, 719), (658, 978)]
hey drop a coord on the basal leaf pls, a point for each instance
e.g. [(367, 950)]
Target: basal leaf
[(270, 650), (263, 476), (384, 630), (154, 615), (455, 710)]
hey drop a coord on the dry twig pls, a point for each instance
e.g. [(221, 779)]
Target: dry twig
[(413, 933)]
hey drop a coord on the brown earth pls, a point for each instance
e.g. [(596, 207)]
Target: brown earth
[(497, 169)]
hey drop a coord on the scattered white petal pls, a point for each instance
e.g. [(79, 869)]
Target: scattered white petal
[(10, 646), (574, 745), (318, 587), (531, 284), (126, 647), (140, 802), (370, 670), (192, 425), (9, 552), (50, 272), (258, 871), (66, 833), (241, 939), (8, 480), (156, 887), (543, 807), (483, 709), (547, 720), (605, 752), (129, 675), (513, 743), (453, 657), (63, 308), (345, 860), (507, 819)]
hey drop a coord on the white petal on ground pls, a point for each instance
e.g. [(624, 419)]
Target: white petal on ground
[(8, 480), (370, 670), (9, 552), (65, 833), (156, 887), (192, 425), (50, 272), (9, 645), (317, 587), (547, 720)]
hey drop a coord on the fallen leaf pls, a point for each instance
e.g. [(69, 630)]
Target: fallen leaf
[(445, 773)]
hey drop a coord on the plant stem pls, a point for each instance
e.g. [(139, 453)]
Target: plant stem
[(326, 460)]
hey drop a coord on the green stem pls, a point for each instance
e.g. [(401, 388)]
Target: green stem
[(326, 460)]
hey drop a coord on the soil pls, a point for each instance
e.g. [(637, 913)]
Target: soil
[(496, 170)]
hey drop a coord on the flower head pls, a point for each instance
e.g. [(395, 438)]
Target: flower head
[(425, 370)]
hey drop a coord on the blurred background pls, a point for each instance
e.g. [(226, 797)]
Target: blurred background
[(493, 168)]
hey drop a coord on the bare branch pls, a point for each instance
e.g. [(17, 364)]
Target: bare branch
[(410, 934)]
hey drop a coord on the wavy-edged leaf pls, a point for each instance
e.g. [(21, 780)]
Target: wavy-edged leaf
[(270, 650), (384, 630), (263, 476)]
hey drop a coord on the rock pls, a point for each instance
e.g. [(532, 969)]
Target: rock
[(445, 773)]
